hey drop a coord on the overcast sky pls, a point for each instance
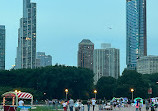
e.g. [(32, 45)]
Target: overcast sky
[(62, 24)]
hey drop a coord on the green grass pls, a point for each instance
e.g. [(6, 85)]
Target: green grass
[(44, 108)]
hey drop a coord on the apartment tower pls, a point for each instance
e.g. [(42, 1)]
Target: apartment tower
[(106, 62), (85, 54)]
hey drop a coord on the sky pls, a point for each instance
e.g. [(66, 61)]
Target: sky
[(62, 24)]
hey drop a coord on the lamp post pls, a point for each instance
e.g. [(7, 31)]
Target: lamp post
[(132, 90), (66, 91), (95, 92)]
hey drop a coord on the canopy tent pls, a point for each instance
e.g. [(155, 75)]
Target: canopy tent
[(140, 100)]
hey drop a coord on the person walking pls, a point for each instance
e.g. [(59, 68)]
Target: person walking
[(88, 104), (64, 105), (81, 106), (71, 104), (152, 106), (147, 105), (77, 105), (93, 103), (137, 106)]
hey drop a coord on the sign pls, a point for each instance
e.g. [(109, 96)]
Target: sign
[(150, 91)]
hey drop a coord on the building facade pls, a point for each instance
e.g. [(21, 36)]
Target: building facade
[(26, 50), (85, 54), (147, 65), (2, 47), (105, 45), (43, 60), (136, 32), (106, 62)]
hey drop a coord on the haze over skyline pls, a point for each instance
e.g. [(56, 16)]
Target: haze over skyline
[(61, 25)]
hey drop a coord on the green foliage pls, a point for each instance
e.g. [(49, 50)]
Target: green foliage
[(50, 80), (131, 79), (109, 87), (106, 87)]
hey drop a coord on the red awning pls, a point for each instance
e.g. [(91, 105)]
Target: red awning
[(22, 95)]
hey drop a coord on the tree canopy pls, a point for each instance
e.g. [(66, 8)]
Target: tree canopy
[(50, 80)]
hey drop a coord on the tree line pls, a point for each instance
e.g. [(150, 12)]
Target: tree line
[(109, 87), (50, 82)]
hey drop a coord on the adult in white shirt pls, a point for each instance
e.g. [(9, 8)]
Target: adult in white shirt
[(65, 105), (21, 103), (93, 103)]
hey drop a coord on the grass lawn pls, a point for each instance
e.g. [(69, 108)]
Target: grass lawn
[(44, 108)]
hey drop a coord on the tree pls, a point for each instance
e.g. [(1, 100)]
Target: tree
[(106, 87), (51, 80), (131, 79)]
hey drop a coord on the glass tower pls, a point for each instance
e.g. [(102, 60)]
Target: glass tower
[(136, 40), (2, 47), (26, 50)]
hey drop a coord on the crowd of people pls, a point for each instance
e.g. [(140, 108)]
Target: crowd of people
[(78, 104)]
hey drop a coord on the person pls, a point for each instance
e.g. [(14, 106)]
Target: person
[(93, 103), (77, 105), (88, 104), (140, 106), (137, 106), (21, 103), (56, 104), (36, 101), (114, 104), (81, 106), (152, 106), (64, 105), (71, 104), (147, 104)]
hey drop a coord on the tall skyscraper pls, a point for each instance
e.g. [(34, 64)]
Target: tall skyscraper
[(43, 60), (85, 54), (136, 32), (106, 62), (2, 47), (26, 50)]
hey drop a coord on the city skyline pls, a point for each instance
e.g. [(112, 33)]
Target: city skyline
[(96, 24)]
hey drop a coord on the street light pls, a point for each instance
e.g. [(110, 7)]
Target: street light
[(132, 90), (95, 92), (66, 90)]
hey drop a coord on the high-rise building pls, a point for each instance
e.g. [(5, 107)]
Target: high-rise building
[(85, 54), (136, 32), (105, 45), (26, 50), (2, 47), (106, 62), (43, 60), (147, 65)]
